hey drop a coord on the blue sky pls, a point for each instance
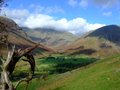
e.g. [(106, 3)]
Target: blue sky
[(76, 16)]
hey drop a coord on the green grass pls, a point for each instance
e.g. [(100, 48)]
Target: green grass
[(51, 66), (61, 64), (102, 75)]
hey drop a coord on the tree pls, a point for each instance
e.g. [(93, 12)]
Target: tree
[(8, 64), (14, 55), (3, 4)]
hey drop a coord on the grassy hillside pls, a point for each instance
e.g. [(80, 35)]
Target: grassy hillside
[(50, 67), (92, 46), (102, 75), (100, 42)]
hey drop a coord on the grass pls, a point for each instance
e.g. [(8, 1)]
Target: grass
[(61, 64), (51, 66), (102, 75)]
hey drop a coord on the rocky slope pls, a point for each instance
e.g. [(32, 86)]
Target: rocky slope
[(50, 37)]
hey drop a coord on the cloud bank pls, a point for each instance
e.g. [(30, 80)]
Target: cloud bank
[(76, 25), (33, 20)]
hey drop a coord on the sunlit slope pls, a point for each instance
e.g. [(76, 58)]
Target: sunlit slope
[(92, 46), (103, 41), (102, 75)]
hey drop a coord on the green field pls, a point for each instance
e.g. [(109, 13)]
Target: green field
[(51, 67), (103, 74)]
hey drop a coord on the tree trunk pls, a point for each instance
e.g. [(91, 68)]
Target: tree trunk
[(9, 66), (6, 82)]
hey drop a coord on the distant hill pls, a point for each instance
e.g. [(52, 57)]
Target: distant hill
[(49, 36), (16, 35), (100, 42), (110, 32)]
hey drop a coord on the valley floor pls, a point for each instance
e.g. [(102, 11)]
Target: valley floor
[(101, 75)]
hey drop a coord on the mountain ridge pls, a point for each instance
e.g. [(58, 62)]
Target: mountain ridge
[(98, 40), (109, 32), (50, 36)]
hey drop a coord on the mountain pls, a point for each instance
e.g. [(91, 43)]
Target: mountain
[(15, 35), (100, 42), (110, 32), (50, 36)]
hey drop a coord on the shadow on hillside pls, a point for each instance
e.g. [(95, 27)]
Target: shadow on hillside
[(84, 51)]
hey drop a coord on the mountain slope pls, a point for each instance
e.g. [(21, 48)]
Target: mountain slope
[(110, 32), (51, 37), (15, 34), (103, 41)]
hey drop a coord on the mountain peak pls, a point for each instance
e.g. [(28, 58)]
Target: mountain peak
[(109, 27), (110, 32)]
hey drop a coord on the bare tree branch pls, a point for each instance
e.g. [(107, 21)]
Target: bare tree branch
[(31, 61), (6, 83), (10, 55)]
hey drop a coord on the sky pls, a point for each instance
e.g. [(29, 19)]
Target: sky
[(75, 16)]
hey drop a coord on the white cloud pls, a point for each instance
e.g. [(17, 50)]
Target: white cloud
[(107, 13), (93, 26), (106, 3), (18, 15), (72, 3), (15, 13), (76, 25), (83, 3), (34, 20), (39, 20)]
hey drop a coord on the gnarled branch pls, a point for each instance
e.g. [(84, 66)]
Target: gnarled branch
[(6, 83), (9, 66)]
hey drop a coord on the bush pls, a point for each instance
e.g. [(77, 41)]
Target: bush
[(61, 64)]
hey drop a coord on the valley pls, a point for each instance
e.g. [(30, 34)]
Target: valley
[(65, 61)]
